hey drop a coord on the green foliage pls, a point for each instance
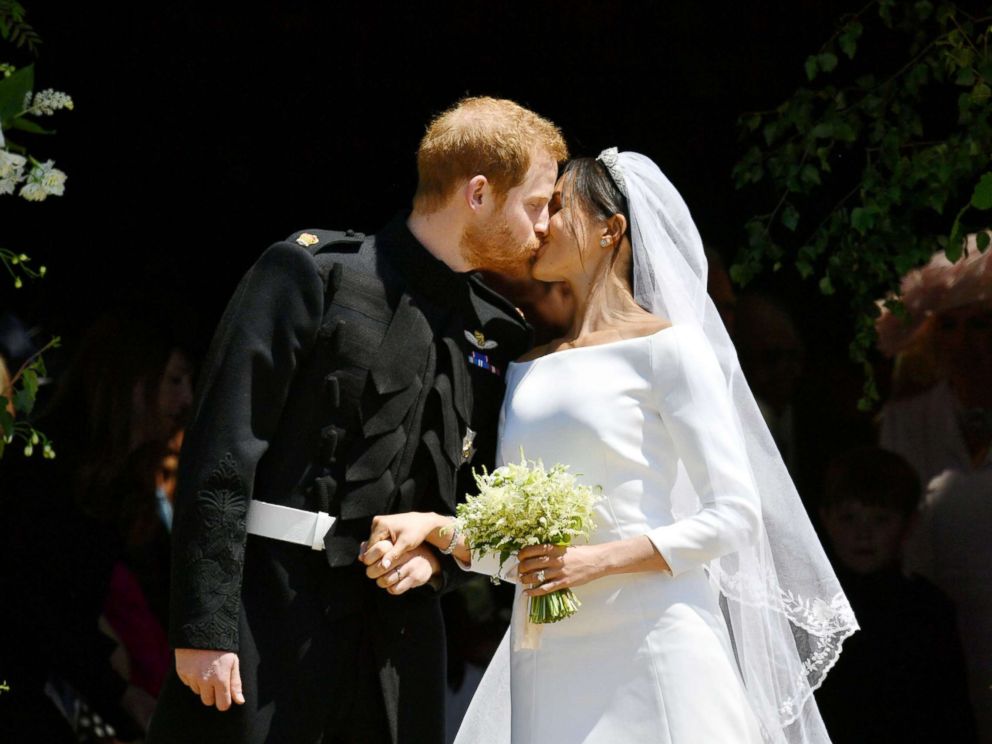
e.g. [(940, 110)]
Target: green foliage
[(13, 90), (18, 101), (17, 266), (866, 172), (15, 29), (24, 387)]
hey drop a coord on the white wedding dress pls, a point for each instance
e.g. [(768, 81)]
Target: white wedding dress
[(648, 656)]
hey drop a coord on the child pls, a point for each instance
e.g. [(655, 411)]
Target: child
[(902, 678)]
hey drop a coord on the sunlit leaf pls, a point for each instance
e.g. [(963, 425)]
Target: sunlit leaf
[(982, 196)]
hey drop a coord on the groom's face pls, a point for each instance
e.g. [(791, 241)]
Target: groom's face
[(506, 239)]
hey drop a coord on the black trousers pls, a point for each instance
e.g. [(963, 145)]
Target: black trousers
[(337, 700)]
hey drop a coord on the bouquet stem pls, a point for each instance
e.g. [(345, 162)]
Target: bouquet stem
[(550, 608)]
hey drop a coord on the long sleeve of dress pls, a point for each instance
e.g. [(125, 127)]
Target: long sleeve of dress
[(488, 565), (695, 406), (269, 327)]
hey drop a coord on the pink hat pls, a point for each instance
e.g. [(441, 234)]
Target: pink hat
[(932, 289)]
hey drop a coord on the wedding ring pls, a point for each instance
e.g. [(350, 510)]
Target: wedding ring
[(539, 576), (399, 574)]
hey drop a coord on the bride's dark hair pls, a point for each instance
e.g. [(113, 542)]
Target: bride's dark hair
[(590, 184)]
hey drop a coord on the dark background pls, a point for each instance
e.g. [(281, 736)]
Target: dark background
[(204, 132)]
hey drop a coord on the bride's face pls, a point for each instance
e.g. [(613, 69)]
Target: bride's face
[(570, 250)]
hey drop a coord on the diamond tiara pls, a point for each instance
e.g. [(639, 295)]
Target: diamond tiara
[(609, 158)]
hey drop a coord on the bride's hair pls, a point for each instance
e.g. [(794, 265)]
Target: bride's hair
[(588, 186), (589, 183)]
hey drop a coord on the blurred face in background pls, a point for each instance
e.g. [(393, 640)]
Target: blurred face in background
[(962, 340), (161, 410), (865, 537), (771, 351), (175, 392)]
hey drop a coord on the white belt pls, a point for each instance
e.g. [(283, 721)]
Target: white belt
[(288, 524)]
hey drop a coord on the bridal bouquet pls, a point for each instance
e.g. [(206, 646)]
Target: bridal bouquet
[(524, 504)]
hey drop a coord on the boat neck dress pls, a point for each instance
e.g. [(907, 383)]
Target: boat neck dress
[(648, 657)]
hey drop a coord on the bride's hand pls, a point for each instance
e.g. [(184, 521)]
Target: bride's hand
[(414, 568), (393, 535), (562, 567)]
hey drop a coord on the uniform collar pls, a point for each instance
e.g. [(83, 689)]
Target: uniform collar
[(418, 266)]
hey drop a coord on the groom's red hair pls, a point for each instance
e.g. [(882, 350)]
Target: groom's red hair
[(493, 137)]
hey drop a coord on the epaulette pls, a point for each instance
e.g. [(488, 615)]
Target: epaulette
[(319, 241)]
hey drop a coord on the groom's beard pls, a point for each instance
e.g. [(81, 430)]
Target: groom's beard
[(492, 247)]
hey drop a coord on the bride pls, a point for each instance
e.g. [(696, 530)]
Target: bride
[(709, 611)]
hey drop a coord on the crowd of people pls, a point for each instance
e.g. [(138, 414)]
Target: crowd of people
[(84, 538), (904, 508)]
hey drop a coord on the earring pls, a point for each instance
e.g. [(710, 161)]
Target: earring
[(604, 242)]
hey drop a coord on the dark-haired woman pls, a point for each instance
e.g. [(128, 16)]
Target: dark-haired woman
[(66, 525), (709, 610)]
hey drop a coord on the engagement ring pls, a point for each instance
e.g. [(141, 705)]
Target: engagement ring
[(539, 576)]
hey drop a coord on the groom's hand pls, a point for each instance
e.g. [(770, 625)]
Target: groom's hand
[(413, 568), (213, 675)]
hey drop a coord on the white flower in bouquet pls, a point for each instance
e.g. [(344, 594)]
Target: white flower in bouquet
[(11, 164), (47, 102), (44, 180), (524, 504), (11, 171), (53, 181), (33, 192)]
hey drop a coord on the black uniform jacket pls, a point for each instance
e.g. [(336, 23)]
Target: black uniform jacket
[(356, 376)]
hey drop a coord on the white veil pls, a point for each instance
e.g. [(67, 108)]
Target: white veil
[(784, 607)]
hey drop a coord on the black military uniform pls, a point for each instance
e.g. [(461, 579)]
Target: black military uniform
[(357, 376)]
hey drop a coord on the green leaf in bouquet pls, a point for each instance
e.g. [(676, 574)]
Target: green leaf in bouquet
[(13, 91), (26, 125)]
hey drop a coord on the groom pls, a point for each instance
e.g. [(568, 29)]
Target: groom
[(350, 376)]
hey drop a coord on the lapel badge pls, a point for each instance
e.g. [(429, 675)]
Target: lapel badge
[(307, 239), (479, 341), (479, 359), (468, 445)]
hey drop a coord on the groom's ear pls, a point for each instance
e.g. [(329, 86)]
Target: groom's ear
[(477, 192)]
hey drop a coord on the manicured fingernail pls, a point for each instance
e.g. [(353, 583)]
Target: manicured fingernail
[(386, 562)]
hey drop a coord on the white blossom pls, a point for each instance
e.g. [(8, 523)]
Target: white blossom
[(47, 102), (11, 164), (11, 171), (53, 181), (33, 192), (43, 181)]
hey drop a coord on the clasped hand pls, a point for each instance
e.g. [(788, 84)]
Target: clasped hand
[(397, 539), (395, 555)]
